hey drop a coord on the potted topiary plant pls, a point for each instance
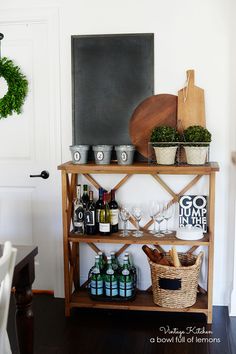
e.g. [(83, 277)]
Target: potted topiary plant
[(196, 144), (164, 141)]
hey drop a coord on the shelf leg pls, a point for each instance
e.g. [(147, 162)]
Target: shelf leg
[(209, 317), (211, 245), (65, 241)]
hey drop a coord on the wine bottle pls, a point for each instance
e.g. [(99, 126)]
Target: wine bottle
[(114, 212), (90, 226), (98, 206), (105, 217), (78, 215), (85, 196)]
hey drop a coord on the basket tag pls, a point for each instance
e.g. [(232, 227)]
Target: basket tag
[(170, 284)]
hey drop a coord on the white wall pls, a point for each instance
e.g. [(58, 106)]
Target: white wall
[(188, 34)]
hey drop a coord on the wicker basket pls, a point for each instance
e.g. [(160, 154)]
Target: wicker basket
[(176, 287)]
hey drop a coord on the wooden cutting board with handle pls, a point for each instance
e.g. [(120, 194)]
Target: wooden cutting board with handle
[(191, 105), (153, 112)]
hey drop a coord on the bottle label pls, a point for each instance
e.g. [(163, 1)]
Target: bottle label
[(125, 272), (114, 216), (96, 291), (127, 285), (124, 156), (96, 283), (110, 271), (126, 289), (79, 214), (90, 217), (104, 227), (111, 288), (100, 155), (77, 156)]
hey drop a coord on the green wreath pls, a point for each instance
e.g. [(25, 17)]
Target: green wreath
[(17, 88)]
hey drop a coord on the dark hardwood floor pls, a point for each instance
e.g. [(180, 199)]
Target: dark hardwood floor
[(90, 331)]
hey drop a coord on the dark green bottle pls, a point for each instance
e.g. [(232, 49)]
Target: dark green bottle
[(96, 283), (114, 262), (111, 280), (126, 286), (132, 269), (102, 262)]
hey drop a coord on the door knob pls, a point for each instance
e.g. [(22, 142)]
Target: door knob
[(43, 174)]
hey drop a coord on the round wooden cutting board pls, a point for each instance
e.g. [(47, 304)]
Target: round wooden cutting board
[(153, 112)]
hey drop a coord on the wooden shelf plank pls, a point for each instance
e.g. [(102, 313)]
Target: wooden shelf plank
[(139, 168), (147, 238), (142, 302)]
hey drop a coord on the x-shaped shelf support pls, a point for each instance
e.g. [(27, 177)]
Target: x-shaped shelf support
[(73, 250)]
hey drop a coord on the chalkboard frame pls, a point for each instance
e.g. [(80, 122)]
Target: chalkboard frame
[(82, 123)]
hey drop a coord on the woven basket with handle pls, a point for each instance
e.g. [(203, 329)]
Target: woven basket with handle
[(176, 287)]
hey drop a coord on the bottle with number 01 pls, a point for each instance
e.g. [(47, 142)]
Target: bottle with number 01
[(114, 212), (90, 225), (105, 217), (78, 215)]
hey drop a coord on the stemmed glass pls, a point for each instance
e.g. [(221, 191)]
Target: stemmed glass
[(137, 214), (124, 215), (159, 217), (168, 214), (153, 209)]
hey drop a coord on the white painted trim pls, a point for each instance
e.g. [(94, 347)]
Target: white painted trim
[(232, 306), (50, 16)]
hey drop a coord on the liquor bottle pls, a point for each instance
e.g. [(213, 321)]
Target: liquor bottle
[(85, 196), (98, 206), (126, 281), (111, 281), (96, 284), (78, 214), (114, 212), (90, 226), (105, 217), (132, 268)]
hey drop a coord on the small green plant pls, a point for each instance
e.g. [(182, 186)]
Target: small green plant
[(164, 134), (197, 134)]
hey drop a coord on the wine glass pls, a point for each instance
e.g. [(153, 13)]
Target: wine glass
[(137, 214), (159, 217), (124, 215), (168, 213), (153, 209)]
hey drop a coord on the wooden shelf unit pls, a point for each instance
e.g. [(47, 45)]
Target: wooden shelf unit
[(143, 301)]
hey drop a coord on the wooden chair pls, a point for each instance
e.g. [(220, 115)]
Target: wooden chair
[(7, 264)]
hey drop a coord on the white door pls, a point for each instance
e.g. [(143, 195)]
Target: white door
[(29, 207)]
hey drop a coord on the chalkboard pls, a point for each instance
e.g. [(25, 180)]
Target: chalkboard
[(111, 75)]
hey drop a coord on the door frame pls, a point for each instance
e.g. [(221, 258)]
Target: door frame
[(49, 16)]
